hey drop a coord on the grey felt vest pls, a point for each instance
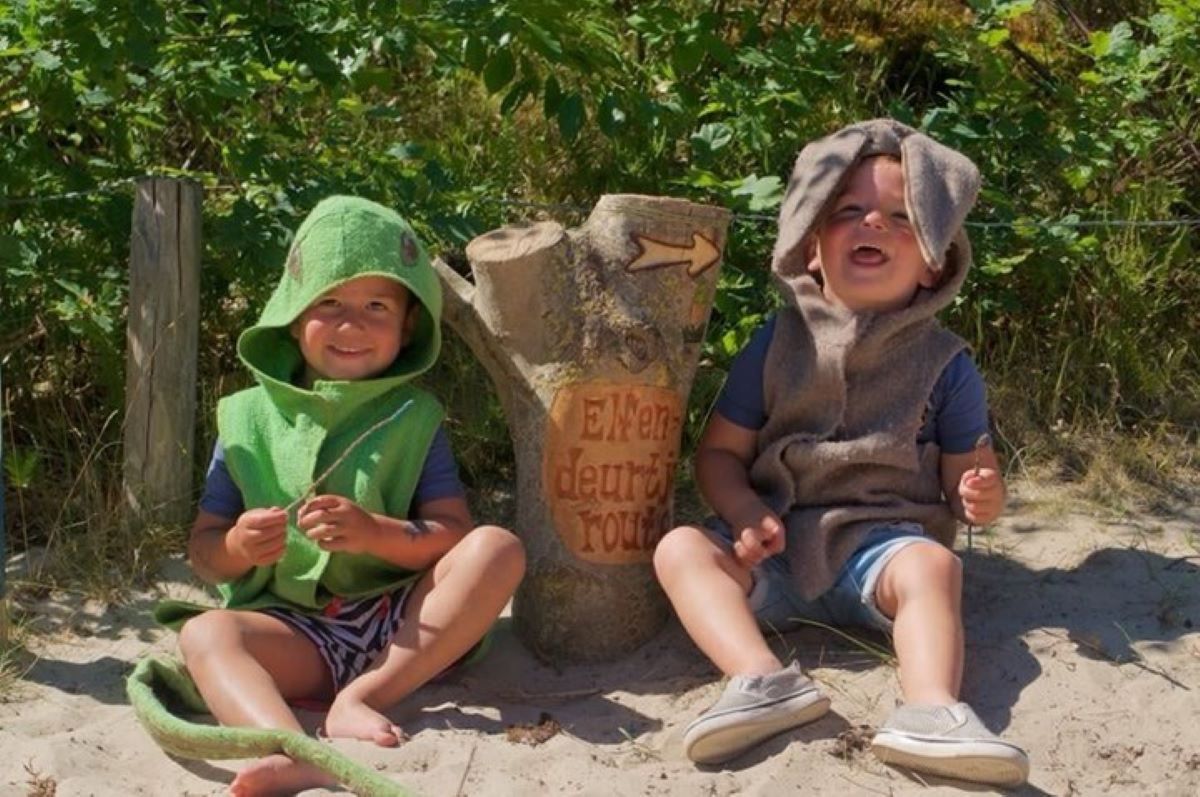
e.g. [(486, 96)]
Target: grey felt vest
[(845, 398)]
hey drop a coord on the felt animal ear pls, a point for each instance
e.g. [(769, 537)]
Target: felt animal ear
[(816, 180), (940, 186)]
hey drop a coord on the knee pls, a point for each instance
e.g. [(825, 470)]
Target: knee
[(678, 549), (206, 634), (502, 549), (928, 566)]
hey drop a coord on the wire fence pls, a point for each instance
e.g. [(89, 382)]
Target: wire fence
[(115, 186)]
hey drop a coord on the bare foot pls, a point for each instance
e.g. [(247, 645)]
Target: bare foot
[(277, 775), (354, 720)]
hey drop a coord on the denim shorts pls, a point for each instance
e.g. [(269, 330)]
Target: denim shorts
[(849, 602)]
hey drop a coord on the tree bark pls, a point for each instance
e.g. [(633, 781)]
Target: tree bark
[(592, 337)]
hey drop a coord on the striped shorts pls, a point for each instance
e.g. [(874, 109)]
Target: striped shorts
[(350, 635)]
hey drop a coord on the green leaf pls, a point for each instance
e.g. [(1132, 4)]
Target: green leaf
[(711, 138), (1112, 43), (517, 95), (686, 55), (1015, 10), (406, 150), (639, 23), (352, 104), (571, 116), (95, 98), (995, 37), (22, 466), (544, 42), (1079, 176), (552, 96), (474, 53), (763, 193), (610, 117), (1000, 266), (46, 60), (499, 71), (700, 178)]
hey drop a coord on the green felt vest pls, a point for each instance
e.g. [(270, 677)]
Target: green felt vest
[(274, 456)]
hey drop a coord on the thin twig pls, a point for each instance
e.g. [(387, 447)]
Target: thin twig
[(1136, 661), (463, 780), (310, 491), (879, 653), (984, 439)]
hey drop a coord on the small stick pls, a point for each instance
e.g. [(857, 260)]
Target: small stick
[(312, 488), (981, 442), (463, 780)]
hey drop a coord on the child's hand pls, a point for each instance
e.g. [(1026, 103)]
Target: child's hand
[(259, 536), (759, 534), (982, 495), (335, 523)]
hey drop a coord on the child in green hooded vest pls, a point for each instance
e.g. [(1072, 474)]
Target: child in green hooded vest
[(333, 521)]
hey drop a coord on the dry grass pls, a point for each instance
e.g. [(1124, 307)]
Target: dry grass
[(15, 661), (39, 785), (1143, 471)]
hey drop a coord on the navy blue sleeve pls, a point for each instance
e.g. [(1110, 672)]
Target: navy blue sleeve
[(221, 495), (741, 400), (959, 406), (439, 474)]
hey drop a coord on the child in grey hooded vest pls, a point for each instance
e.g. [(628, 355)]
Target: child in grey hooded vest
[(848, 443)]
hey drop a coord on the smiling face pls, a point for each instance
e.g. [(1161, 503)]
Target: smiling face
[(354, 330), (866, 249)]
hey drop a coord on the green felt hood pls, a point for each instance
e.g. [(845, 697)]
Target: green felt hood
[(343, 238)]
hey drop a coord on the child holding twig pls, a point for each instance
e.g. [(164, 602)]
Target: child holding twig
[(842, 453), (333, 521)]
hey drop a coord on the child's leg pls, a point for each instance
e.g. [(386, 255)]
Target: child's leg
[(247, 665), (920, 588), (449, 610), (709, 589)]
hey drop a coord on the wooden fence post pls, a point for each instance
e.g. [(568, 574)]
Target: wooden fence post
[(162, 336)]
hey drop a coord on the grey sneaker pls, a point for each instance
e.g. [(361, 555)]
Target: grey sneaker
[(951, 742), (752, 708)]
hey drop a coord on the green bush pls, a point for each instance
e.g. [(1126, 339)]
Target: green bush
[(451, 111)]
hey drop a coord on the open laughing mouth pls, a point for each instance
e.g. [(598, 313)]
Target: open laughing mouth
[(868, 255)]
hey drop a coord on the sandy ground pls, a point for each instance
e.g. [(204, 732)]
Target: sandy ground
[(1082, 646)]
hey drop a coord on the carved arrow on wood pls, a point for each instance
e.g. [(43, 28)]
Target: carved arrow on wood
[(699, 257)]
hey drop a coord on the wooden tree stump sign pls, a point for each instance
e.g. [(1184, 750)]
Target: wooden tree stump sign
[(591, 337)]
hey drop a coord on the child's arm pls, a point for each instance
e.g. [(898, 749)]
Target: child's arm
[(220, 549), (976, 498), (723, 460), (338, 524)]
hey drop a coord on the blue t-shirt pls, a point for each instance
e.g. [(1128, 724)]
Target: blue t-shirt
[(955, 417), (439, 479)]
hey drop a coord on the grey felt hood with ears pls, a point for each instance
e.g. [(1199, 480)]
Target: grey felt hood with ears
[(940, 186)]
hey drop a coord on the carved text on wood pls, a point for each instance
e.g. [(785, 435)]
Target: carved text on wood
[(609, 468)]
